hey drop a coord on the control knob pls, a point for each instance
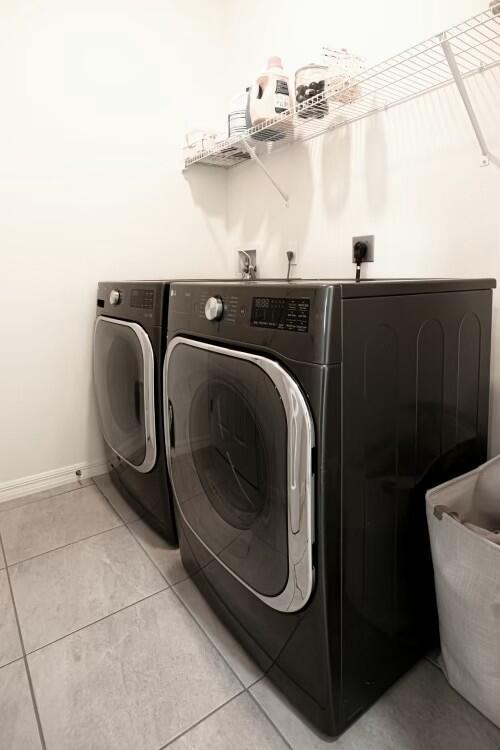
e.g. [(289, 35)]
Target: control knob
[(114, 297), (214, 308)]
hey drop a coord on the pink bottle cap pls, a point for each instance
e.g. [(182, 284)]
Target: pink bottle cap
[(274, 62)]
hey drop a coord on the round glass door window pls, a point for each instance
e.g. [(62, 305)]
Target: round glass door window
[(119, 375), (229, 462)]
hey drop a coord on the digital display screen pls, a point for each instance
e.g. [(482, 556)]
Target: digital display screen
[(143, 298), (281, 313)]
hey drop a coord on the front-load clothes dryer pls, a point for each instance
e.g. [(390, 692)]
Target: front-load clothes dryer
[(129, 346), (304, 423)]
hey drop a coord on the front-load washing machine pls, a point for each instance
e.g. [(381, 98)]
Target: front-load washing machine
[(129, 346), (304, 423)]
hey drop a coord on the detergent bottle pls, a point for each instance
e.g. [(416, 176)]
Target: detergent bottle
[(268, 98)]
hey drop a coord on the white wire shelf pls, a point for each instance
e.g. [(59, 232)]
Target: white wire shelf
[(466, 49)]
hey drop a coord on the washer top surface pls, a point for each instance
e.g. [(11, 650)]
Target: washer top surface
[(364, 288)]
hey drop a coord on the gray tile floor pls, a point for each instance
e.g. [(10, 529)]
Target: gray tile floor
[(106, 643)]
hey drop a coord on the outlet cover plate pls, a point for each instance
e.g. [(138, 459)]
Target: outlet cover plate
[(370, 243), (244, 256)]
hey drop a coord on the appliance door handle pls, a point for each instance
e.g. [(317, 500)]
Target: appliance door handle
[(171, 425), (295, 505), (137, 400)]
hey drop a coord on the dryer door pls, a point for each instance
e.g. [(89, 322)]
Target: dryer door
[(240, 438), (124, 384)]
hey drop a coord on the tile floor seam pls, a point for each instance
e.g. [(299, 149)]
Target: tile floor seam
[(259, 679), (149, 556), (278, 730), (63, 546), (94, 622), (24, 655), (143, 549), (203, 718), (13, 661), (207, 635), (124, 522), (37, 500), (263, 709), (173, 588)]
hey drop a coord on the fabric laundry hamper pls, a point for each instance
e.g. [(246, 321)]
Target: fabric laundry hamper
[(463, 515)]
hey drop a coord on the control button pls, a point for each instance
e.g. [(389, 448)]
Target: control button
[(214, 308), (114, 297)]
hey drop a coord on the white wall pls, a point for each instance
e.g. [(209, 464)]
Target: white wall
[(95, 97), (411, 175)]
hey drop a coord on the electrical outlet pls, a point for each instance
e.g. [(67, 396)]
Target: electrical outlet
[(247, 262), (369, 240), (292, 248), (291, 262)]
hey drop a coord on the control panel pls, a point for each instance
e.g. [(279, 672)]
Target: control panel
[(139, 301), (301, 321), (282, 313), (217, 308), (142, 298)]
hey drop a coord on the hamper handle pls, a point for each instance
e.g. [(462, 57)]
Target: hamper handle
[(440, 510)]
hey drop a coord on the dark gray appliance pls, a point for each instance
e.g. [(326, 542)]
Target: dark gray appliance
[(305, 422), (129, 345)]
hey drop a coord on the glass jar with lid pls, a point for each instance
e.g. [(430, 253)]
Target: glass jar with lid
[(309, 91)]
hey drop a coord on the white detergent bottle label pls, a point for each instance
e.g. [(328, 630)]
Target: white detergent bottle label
[(282, 97)]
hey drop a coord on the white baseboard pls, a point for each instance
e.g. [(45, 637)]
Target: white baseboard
[(48, 480)]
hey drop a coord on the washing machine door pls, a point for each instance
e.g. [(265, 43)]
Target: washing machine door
[(239, 444), (124, 385)]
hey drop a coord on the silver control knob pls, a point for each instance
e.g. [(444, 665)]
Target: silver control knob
[(114, 297), (214, 308)]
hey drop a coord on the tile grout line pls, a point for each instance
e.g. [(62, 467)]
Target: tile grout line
[(203, 718), (95, 622), (261, 708), (151, 558), (128, 524), (171, 586), (173, 589), (245, 689), (12, 661), (124, 522), (207, 636), (24, 656), (43, 497), (143, 549), (63, 546), (219, 708)]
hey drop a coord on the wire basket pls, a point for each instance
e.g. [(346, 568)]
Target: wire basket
[(343, 66)]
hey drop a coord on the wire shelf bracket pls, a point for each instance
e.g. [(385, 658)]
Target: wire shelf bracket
[(253, 155), (455, 71)]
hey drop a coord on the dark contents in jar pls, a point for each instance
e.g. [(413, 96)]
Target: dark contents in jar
[(305, 92)]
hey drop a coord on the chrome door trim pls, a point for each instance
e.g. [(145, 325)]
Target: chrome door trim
[(149, 392), (300, 442)]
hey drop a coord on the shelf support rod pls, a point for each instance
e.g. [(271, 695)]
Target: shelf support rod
[(450, 58), (253, 155)]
